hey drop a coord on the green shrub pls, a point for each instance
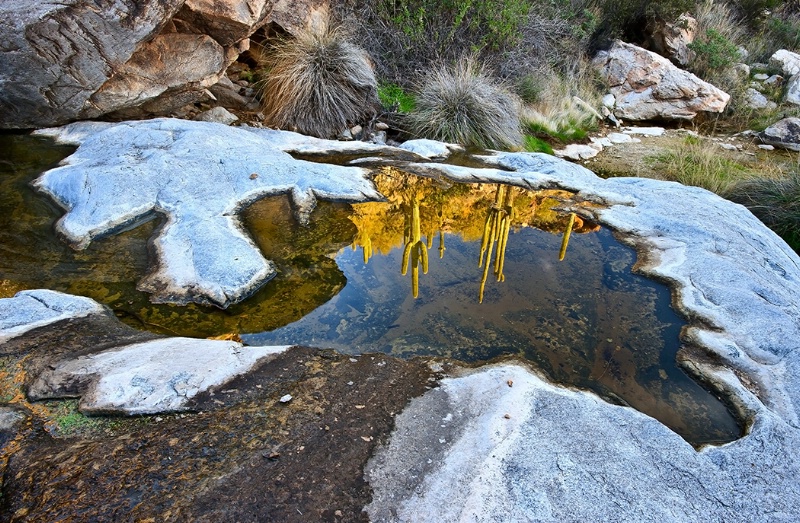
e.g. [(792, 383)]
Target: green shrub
[(318, 83), (395, 98), (713, 52), (776, 202), (463, 104)]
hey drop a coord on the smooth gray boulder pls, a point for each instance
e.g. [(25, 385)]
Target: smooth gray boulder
[(647, 86), (29, 310), (149, 377), (783, 133), (197, 175), (793, 90)]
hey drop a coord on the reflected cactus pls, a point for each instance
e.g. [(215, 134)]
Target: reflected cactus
[(565, 241), (415, 248), (496, 230)]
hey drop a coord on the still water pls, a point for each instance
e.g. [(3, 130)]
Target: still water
[(471, 272)]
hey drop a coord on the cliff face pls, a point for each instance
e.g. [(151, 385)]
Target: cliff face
[(78, 59)]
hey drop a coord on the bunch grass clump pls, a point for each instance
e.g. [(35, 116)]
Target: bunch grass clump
[(699, 163), (774, 201), (463, 104), (563, 108), (318, 83)]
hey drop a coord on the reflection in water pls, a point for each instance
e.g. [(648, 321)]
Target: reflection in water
[(587, 321)]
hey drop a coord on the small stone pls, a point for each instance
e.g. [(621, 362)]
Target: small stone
[(510, 383), (356, 130), (507, 416), (381, 126), (379, 138), (729, 147), (217, 115), (359, 407), (345, 135), (286, 399), (338, 514), (254, 176), (366, 438), (760, 77), (766, 147)]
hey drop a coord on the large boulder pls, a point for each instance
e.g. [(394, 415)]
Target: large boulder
[(82, 59), (647, 86), (784, 133), (55, 55)]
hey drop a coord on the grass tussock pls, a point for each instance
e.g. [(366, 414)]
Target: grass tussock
[(562, 106), (774, 201), (463, 104), (318, 83)]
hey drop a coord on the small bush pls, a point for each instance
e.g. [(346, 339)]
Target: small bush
[(463, 104), (318, 83), (713, 51), (395, 98), (776, 202)]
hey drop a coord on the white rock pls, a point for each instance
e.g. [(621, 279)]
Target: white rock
[(729, 147), (150, 377), (431, 149), (774, 80), (648, 87), (29, 310), (766, 147), (754, 99), (760, 77), (644, 131), (577, 151), (217, 115), (787, 61), (286, 398), (616, 138), (793, 90)]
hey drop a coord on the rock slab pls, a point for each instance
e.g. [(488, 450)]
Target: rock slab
[(150, 377), (28, 310)]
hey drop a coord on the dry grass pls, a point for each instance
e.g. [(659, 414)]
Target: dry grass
[(776, 202), (463, 104), (701, 163), (565, 106), (318, 83)]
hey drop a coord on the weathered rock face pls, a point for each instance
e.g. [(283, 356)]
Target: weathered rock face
[(80, 59), (672, 40), (159, 72), (784, 133), (227, 22), (793, 90), (648, 87), (54, 55)]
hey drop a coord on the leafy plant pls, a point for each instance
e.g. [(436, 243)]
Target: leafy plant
[(713, 51), (318, 83), (395, 98), (463, 104)]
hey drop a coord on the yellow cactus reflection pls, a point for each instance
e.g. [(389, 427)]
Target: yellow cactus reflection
[(418, 207), (414, 247), (565, 240), (496, 230)]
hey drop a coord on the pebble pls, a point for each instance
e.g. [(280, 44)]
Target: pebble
[(766, 147), (286, 399)]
